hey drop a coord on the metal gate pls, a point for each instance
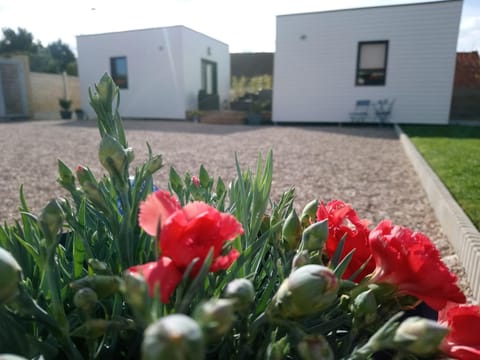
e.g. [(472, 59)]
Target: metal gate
[(13, 95)]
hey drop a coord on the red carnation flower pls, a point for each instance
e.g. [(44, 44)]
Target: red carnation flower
[(342, 219), (463, 341), (409, 261), (161, 274), (185, 234)]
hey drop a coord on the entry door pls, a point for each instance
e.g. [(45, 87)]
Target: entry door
[(13, 100), (209, 77)]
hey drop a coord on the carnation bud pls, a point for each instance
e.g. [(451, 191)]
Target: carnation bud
[(215, 317), (10, 276), (420, 336), (51, 219), (279, 349), (154, 164), (103, 285), (195, 181), (292, 230), (315, 236), (136, 290), (300, 259), (65, 176), (174, 336), (308, 290), (85, 299), (309, 213), (314, 347), (242, 291), (364, 306), (95, 328), (113, 156), (98, 267)]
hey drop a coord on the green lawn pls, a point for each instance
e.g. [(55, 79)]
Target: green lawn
[(453, 152)]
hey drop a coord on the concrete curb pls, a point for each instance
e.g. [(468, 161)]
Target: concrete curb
[(458, 228)]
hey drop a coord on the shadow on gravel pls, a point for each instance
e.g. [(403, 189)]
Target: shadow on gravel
[(358, 130), (178, 126), (170, 126)]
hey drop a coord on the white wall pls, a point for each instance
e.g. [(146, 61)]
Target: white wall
[(164, 69), (195, 48), (315, 77)]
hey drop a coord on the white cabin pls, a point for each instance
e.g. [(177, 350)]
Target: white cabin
[(159, 71), (327, 61)]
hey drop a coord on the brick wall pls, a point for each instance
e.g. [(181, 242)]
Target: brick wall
[(46, 89)]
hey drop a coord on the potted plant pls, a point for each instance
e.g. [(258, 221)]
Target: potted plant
[(65, 104), (80, 114)]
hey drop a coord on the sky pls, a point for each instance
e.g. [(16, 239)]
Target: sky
[(246, 25)]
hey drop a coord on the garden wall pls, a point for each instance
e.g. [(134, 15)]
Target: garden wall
[(465, 104), (46, 89)]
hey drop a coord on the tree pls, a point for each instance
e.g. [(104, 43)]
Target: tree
[(62, 54), (20, 41)]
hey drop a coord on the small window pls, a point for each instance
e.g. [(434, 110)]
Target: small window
[(372, 63), (118, 70)]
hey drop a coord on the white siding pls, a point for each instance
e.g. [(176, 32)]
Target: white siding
[(195, 47), (315, 77)]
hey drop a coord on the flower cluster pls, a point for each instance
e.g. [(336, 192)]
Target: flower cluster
[(203, 270)]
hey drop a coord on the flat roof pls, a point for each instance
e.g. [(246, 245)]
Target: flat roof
[(150, 29), (373, 7)]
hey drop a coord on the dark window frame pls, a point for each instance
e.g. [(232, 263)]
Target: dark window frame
[(370, 73), (117, 78), (204, 64)]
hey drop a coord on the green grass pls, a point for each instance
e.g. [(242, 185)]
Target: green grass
[(453, 152)]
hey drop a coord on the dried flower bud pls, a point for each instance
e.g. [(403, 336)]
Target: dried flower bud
[(308, 290), (292, 230), (215, 317), (242, 291), (420, 336), (309, 213), (85, 299), (10, 276), (315, 347), (51, 219), (315, 236), (175, 336)]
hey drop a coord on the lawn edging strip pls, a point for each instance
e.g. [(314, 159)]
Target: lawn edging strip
[(456, 225)]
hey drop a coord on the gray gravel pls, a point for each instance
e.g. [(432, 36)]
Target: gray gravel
[(364, 166)]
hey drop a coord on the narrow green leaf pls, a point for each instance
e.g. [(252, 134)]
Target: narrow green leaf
[(338, 252), (340, 268)]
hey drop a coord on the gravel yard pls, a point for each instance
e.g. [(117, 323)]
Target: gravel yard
[(364, 166)]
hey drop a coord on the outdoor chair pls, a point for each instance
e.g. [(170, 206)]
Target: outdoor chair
[(360, 113), (383, 110)]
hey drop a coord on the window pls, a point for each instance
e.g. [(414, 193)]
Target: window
[(372, 63), (209, 77), (118, 71)]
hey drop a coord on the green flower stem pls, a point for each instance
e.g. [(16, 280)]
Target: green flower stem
[(26, 305), (53, 280)]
